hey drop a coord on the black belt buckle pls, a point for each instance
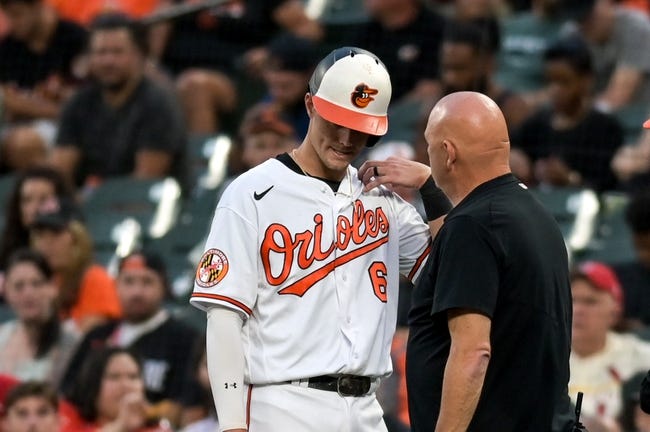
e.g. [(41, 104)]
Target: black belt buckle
[(348, 385)]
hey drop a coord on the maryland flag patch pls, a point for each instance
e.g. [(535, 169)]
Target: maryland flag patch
[(213, 267)]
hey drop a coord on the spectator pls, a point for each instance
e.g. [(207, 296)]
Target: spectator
[(570, 142), (31, 407), (109, 396), (467, 64), (407, 37), (601, 360), (86, 293), (218, 37), (86, 11), (289, 66), (36, 76), (635, 275), (219, 46), (525, 37), (122, 123), (264, 135), (161, 342), (34, 346), (618, 38), (33, 188)]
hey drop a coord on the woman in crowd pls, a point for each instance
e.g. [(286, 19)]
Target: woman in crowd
[(33, 188), (86, 292), (109, 396), (34, 346)]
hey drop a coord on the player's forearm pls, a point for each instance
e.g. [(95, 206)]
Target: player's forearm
[(461, 389), (225, 354)]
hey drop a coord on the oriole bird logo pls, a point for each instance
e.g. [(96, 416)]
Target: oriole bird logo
[(362, 95)]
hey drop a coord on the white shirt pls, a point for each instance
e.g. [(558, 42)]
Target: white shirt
[(600, 376)]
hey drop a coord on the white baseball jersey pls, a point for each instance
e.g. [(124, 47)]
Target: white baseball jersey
[(315, 272)]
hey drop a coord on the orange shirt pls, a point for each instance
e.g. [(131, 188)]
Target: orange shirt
[(97, 296), (641, 5), (84, 11)]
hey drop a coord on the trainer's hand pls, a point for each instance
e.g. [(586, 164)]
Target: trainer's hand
[(393, 172)]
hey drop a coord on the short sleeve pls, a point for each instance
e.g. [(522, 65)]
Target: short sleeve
[(467, 271), (635, 36), (97, 296), (227, 273)]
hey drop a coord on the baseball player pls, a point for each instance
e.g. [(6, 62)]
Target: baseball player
[(300, 273)]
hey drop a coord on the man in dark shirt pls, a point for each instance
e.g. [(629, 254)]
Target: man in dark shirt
[(123, 123), (406, 36), (37, 61), (569, 142), (490, 324), (162, 342)]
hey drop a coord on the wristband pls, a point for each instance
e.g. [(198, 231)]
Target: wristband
[(435, 201)]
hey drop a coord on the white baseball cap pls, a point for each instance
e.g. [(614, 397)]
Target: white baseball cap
[(351, 88)]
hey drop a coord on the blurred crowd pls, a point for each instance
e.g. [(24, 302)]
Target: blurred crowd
[(196, 92)]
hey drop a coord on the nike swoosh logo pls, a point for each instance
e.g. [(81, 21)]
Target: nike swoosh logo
[(261, 195)]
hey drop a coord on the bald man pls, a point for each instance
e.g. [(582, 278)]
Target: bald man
[(491, 315)]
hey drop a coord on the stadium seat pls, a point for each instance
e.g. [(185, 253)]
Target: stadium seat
[(123, 212), (576, 212), (613, 242), (188, 233)]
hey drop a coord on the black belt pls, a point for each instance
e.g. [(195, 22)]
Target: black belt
[(344, 385)]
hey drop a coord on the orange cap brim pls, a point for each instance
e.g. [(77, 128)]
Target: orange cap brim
[(646, 124), (366, 123)]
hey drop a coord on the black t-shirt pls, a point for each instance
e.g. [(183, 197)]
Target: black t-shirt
[(165, 353), (217, 37), (409, 53), (25, 68), (635, 280), (501, 254), (587, 148), (109, 138)]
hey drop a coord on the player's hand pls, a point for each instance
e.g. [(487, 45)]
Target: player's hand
[(393, 172)]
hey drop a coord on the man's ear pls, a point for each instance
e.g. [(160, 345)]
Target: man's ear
[(450, 149), (309, 105)]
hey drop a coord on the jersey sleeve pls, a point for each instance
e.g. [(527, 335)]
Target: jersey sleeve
[(467, 272), (227, 273), (414, 241)]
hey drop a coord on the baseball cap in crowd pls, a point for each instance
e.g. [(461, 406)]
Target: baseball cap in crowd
[(577, 10), (266, 118), (292, 53), (145, 260), (351, 88), (57, 215), (602, 277)]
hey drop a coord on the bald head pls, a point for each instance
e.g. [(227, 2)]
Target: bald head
[(468, 140)]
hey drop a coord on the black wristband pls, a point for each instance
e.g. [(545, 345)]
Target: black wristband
[(434, 199)]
